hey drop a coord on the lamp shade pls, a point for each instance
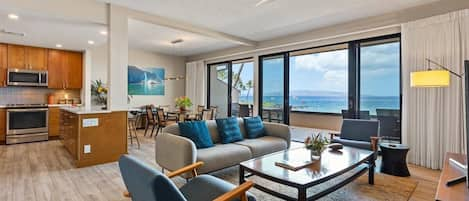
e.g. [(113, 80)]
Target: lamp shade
[(430, 78)]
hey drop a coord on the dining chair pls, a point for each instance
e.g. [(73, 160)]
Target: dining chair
[(200, 108), (207, 114), (214, 112), (151, 120), (163, 121), (132, 128), (171, 117)]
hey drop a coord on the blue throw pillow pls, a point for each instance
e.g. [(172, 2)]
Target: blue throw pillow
[(196, 131), (254, 127), (228, 129)]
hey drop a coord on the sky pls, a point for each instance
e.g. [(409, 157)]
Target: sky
[(326, 73)]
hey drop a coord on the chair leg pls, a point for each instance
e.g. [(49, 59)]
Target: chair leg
[(130, 133), (152, 130), (136, 136), (146, 128)]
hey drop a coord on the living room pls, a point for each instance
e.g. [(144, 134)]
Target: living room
[(224, 100)]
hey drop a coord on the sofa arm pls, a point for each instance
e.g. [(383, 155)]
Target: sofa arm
[(278, 130), (173, 152)]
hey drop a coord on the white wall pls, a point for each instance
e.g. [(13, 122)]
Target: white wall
[(173, 66)]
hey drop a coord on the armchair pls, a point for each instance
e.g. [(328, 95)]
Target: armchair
[(358, 133), (145, 183)]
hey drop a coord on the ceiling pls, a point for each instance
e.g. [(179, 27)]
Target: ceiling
[(157, 38), (46, 31), (270, 20)]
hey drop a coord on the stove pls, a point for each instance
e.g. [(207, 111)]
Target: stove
[(26, 123), (38, 105)]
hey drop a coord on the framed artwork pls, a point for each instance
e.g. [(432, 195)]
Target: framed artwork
[(146, 81)]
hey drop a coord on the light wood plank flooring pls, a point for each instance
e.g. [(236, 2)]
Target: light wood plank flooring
[(44, 171)]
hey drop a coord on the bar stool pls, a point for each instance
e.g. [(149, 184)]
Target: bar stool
[(132, 128)]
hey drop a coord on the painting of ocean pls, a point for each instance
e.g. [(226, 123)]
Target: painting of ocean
[(146, 81)]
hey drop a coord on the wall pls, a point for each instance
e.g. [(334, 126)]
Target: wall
[(34, 95), (173, 66)]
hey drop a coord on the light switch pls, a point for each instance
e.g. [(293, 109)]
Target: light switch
[(87, 149)]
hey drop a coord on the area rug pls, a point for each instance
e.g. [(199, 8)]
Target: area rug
[(386, 188)]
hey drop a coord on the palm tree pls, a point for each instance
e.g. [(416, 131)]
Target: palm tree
[(249, 86)]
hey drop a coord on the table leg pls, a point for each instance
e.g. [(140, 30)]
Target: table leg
[(371, 170), (241, 175), (301, 194)]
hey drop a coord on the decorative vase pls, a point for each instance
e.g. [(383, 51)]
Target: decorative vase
[(182, 109), (316, 154)]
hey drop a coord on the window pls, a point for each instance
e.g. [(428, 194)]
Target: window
[(273, 88), (219, 88), (319, 80)]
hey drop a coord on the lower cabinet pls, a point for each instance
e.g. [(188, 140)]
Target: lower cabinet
[(54, 121)]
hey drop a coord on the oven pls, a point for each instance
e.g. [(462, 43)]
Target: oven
[(27, 124), (21, 77)]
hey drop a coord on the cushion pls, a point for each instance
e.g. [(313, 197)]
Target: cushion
[(353, 143), (222, 156), (207, 187), (264, 145), (254, 127), (228, 129), (196, 131), (359, 129)]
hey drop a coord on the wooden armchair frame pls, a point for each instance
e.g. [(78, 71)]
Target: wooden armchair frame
[(238, 192), (374, 141)]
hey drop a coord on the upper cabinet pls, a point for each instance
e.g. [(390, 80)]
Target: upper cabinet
[(25, 57), (3, 65), (65, 69)]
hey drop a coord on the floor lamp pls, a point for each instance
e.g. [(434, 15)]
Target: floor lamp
[(438, 78)]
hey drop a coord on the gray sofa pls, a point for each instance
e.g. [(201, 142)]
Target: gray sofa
[(173, 151)]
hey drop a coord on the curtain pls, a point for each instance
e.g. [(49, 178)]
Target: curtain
[(433, 118), (196, 82)]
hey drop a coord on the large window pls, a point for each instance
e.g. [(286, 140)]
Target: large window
[(319, 80), (231, 88), (273, 88)]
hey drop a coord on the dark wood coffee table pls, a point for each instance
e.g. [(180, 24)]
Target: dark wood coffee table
[(331, 165)]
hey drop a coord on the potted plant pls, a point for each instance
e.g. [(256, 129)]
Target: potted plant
[(183, 103), (99, 93), (316, 144)]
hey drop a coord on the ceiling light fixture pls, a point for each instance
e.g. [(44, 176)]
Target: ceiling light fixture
[(13, 16), (261, 2), (3, 31), (91, 42), (104, 33), (58, 45), (174, 42)]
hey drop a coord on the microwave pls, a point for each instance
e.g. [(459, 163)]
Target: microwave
[(22, 77)]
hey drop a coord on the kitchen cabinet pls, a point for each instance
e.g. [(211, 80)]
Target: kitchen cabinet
[(25, 57), (65, 69), (3, 65), (3, 128), (54, 121)]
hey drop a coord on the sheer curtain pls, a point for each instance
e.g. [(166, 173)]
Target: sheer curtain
[(196, 82), (433, 118)]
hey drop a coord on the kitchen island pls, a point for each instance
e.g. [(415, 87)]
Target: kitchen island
[(93, 136)]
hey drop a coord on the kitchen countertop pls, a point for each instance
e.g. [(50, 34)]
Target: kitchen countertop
[(92, 110)]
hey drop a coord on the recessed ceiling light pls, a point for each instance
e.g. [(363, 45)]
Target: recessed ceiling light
[(103, 32), (13, 16), (180, 40), (58, 45), (91, 42)]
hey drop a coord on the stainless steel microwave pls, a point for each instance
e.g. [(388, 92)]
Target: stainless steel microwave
[(22, 77)]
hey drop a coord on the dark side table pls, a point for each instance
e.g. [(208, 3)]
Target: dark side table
[(394, 159)]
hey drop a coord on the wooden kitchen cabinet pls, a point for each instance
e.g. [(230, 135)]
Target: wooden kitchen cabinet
[(25, 57), (65, 69), (3, 65), (54, 121), (3, 127)]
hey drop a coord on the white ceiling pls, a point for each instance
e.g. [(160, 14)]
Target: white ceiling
[(270, 20), (47, 31), (157, 38)]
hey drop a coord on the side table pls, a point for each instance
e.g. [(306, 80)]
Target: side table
[(394, 159)]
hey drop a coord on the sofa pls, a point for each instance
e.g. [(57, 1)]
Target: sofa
[(173, 151)]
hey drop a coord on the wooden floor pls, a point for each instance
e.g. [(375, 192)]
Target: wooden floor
[(44, 171)]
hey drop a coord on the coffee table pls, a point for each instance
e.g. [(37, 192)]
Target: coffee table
[(331, 165)]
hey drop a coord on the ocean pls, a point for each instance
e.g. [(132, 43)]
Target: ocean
[(328, 104)]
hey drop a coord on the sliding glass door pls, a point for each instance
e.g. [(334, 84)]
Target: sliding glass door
[(274, 88), (380, 84), (231, 88)]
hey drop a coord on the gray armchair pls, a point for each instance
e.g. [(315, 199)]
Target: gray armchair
[(358, 133), (145, 183)]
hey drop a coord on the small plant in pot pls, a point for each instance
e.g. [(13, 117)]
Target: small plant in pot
[(99, 93), (183, 103), (316, 144)]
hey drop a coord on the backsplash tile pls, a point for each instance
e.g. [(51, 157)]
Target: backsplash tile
[(30, 95)]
